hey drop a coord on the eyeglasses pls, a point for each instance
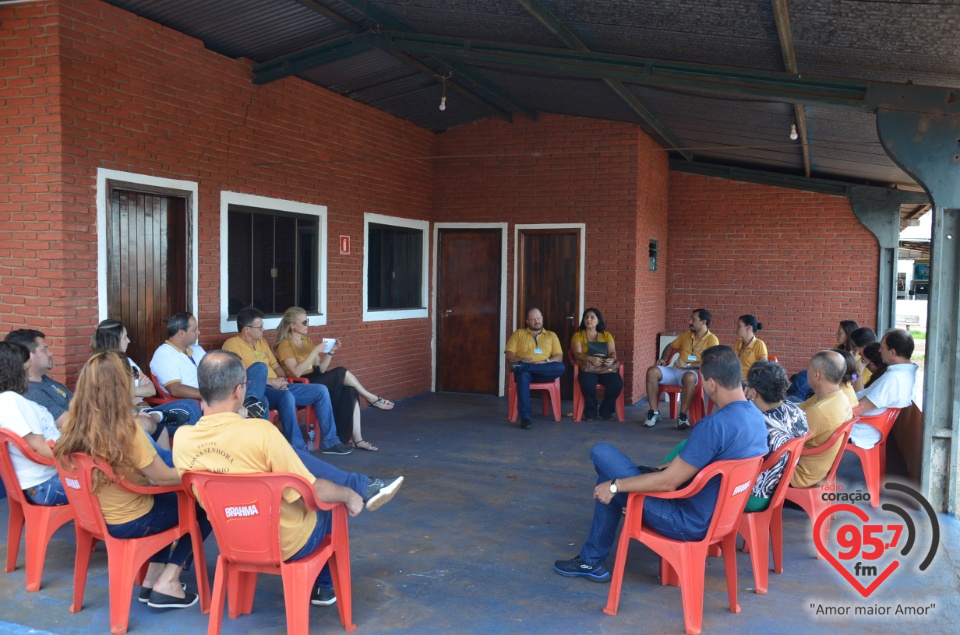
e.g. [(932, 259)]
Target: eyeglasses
[(255, 327), (306, 322)]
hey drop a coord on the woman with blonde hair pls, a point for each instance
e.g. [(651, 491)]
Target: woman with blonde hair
[(301, 358), (100, 423)]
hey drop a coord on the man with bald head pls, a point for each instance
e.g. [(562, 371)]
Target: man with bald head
[(534, 355), (826, 411)]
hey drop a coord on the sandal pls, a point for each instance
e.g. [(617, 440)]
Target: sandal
[(364, 445), (382, 404)]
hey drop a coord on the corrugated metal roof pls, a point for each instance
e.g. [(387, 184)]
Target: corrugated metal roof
[(881, 40)]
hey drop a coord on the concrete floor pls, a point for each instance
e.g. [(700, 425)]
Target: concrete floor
[(469, 543)]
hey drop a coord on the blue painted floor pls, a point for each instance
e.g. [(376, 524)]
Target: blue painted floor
[(469, 543)]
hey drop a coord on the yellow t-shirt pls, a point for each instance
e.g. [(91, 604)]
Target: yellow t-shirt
[(691, 348), (259, 353), (229, 444), (851, 394), (524, 344), (581, 337), (823, 417), (120, 506), (756, 351), (287, 350)]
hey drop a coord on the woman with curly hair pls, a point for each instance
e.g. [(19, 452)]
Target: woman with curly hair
[(41, 483), (766, 387), (100, 423)]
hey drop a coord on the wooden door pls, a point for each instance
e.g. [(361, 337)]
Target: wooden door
[(146, 266), (550, 280), (468, 311)]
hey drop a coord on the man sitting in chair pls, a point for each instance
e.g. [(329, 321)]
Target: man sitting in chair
[(683, 372), (535, 356), (736, 430), (826, 411), (894, 389), (224, 442)]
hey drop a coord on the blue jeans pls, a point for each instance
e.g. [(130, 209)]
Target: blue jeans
[(322, 469), (320, 531), (528, 374), (660, 515), (165, 455), (48, 493), (163, 515), (285, 402)]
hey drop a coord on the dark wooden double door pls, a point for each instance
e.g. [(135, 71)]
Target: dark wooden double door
[(469, 344), (147, 266)]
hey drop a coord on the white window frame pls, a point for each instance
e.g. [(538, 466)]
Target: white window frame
[(397, 314), (228, 325), (109, 179)]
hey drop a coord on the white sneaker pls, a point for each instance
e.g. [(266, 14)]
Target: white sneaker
[(683, 422), (653, 416)]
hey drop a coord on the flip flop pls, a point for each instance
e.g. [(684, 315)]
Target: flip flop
[(364, 445), (382, 404)]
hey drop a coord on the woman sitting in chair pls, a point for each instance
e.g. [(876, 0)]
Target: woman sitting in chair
[(766, 387), (300, 358), (849, 377), (41, 483), (874, 363), (594, 351), (101, 424), (748, 347)]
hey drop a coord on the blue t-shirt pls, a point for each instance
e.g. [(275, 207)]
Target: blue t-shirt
[(736, 431)]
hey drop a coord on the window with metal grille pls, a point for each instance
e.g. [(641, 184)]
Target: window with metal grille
[(273, 260), (395, 278)]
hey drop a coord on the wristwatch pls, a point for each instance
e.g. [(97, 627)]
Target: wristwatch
[(613, 486)]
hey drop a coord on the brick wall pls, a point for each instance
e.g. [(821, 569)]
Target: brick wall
[(96, 87), (799, 261), (141, 98), (608, 175), (32, 228)]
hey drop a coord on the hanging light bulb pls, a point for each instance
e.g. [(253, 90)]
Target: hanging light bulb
[(793, 131), (443, 95)]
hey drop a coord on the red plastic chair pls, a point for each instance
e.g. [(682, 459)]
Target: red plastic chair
[(683, 563), (551, 396), (772, 358), (250, 544), (874, 460), (41, 521), (127, 558), (309, 415), (578, 401), (763, 528), (697, 409), (810, 498)]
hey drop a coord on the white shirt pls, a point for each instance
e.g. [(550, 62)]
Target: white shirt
[(894, 389), (22, 417), (171, 365)]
